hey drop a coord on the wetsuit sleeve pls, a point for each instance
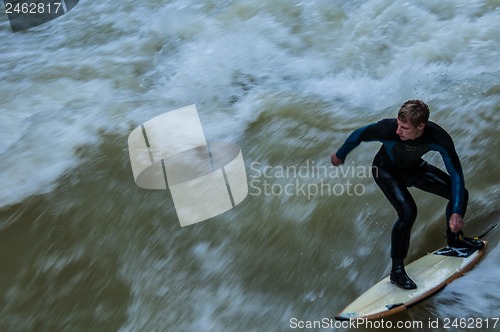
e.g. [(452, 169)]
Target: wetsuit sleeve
[(373, 132), (452, 163)]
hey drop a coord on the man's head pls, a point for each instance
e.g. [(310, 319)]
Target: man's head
[(412, 118)]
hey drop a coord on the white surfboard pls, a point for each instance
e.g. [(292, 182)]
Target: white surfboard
[(431, 273)]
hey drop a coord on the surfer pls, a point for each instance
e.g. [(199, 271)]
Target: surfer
[(399, 165)]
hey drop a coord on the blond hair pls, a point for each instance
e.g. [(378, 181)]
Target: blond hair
[(415, 112)]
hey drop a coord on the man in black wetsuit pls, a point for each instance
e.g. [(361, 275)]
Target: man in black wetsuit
[(399, 164)]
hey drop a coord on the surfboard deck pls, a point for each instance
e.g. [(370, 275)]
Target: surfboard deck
[(431, 273)]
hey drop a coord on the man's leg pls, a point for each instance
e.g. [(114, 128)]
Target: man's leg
[(433, 180), (394, 188)]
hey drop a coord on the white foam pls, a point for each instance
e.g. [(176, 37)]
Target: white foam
[(225, 57), (472, 287), (110, 64), (208, 298)]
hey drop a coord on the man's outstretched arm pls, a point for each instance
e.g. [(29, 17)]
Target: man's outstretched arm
[(372, 132)]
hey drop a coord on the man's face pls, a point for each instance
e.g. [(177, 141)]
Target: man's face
[(406, 131)]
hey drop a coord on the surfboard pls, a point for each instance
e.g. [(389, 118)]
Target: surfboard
[(431, 273)]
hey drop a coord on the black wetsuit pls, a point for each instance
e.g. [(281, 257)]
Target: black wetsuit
[(399, 164)]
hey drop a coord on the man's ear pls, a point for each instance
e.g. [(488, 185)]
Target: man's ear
[(421, 126)]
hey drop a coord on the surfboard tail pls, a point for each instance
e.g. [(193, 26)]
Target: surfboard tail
[(431, 272)]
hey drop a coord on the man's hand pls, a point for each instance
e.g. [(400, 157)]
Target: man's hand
[(456, 222), (335, 160)]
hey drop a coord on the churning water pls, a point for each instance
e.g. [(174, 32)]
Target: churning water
[(83, 248)]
